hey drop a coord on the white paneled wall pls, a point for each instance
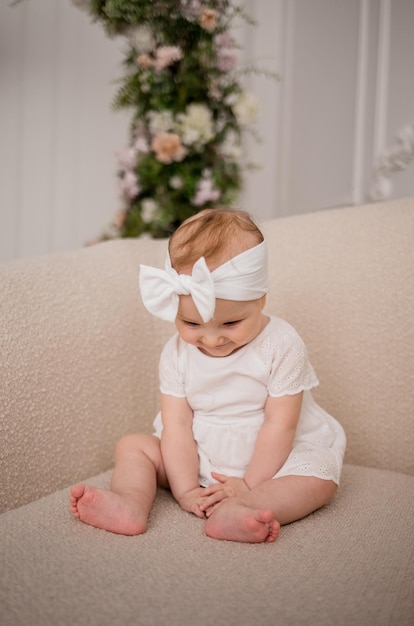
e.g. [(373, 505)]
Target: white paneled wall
[(57, 130), (345, 94), (346, 90)]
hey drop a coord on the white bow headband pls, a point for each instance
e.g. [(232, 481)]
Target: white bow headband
[(244, 277)]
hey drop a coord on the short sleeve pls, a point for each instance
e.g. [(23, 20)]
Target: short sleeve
[(291, 371), (171, 379)]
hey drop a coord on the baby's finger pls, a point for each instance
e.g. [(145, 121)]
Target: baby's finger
[(213, 499), (212, 509), (196, 509), (220, 477), (208, 491)]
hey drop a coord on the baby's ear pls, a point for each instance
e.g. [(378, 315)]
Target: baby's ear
[(263, 302)]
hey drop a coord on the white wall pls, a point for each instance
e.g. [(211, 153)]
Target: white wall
[(57, 130), (346, 90)]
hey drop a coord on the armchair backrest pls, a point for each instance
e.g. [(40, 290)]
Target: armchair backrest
[(344, 278), (79, 353)]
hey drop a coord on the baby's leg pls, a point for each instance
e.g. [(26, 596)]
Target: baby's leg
[(258, 514), (123, 509)]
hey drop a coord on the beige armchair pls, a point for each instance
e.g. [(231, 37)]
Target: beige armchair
[(79, 360)]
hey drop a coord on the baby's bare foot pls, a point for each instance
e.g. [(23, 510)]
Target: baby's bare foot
[(234, 521), (107, 510)]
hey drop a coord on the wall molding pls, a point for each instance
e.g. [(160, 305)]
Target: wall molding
[(381, 97), (285, 117), (360, 102)]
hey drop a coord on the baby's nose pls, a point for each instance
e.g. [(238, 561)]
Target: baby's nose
[(212, 339)]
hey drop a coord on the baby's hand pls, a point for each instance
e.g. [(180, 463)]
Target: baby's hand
[(227, 487), (192, 500)]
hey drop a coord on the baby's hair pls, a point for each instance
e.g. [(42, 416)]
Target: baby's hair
[(215, 234)]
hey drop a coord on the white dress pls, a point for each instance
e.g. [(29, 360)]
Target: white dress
[(228, 395)]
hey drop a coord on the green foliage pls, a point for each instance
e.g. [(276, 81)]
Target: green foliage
[(188, 109)]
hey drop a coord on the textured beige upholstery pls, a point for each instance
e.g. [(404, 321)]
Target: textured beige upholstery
[(79, 369)]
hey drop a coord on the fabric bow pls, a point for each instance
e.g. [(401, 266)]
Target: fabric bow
[(160, 290), (243, 277)]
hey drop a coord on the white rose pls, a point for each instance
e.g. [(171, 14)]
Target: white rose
[(176, 182), (149, 210), (141, 38), (196, 125), (231, 146), (231, 99), (160, 122), (245, 109)]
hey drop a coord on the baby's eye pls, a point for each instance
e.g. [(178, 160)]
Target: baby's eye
[(232, 323), (193, 324)]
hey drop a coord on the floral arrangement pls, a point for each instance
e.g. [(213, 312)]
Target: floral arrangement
[(396, 159), (190, 111)]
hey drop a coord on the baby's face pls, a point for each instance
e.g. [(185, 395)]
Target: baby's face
[(233, 326)]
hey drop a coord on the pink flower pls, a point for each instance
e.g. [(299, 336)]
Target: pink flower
[(208, 19), (126, 158), (141, 144), (224, 40), (226, 60), (205, 192), (167, 55), (168, 148), (226, 57), (128, 186), (144, 61)]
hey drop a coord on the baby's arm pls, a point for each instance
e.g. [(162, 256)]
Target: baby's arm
[(275, 438), (273, 446), (179, 452)]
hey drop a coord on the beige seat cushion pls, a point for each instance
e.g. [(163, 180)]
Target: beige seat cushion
[(341, 566)]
